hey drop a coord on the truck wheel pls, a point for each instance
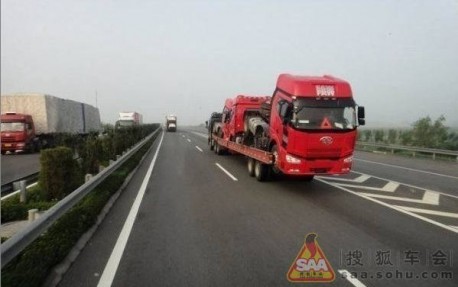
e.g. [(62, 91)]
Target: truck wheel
[(218, 149), (261, 171), (275, 170), (308, 177), (212, 144), (250, 166), (3, 152)]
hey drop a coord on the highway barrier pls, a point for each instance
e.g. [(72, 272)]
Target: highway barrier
[(22, 239), (413, 150)]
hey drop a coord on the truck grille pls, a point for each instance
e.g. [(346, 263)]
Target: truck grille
[(8, 139), (333, 154)]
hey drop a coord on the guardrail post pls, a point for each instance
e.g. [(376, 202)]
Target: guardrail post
[(434, 156), (392, 151), (87, 177), (22, 193), (118, 157), (111, 162), (413, 154), (32, 213)]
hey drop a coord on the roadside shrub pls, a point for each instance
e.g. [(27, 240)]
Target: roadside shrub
[(60, 173)]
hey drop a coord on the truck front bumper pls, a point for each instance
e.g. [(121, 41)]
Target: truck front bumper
[(299, 166)]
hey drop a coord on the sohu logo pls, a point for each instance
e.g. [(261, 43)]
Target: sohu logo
[(327, 140), (311, 264)]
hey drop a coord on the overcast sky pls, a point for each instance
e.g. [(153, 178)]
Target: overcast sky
[(186, 57)]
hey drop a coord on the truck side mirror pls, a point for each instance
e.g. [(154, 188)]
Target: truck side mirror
[(361, 116)]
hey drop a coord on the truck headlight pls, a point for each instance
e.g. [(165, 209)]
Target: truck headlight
[(348, 159), (292, 159)]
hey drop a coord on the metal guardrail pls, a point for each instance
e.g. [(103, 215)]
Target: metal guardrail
[(17, 243), (9, 187), (414, 150)]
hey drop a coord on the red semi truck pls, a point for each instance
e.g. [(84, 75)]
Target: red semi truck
[(308, 127)]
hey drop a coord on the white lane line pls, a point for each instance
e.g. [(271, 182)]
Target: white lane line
[(428, 198), (454, 226), (113, 262), (347, 275), (189, 140), (360, 179), (408, 185), (407, 168), (389, 205), (199, 149), (225, 171), (428, 211), (391, 186), (17, 191)]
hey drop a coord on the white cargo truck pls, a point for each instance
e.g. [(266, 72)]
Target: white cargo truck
[(31, 121)]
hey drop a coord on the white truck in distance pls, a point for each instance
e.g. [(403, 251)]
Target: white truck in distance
[(171, 123), (129, 119)]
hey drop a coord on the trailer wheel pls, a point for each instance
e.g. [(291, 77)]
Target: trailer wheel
[(3, 152), (212, 144), (218, 149), (250, 166), (261, 171)]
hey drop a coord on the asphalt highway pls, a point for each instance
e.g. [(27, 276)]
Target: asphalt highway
[(192, 218), (16, 166)]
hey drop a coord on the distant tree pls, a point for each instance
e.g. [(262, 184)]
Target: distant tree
[(425, 133), (405, 137), (367, 135), (379, 135), (392, 136)]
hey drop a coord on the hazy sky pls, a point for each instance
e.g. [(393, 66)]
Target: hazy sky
[(186, 57)]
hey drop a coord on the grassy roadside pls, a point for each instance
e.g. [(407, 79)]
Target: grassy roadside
[(33, 264)]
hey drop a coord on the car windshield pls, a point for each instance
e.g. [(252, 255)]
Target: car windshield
[(311, 114), (12, 127)]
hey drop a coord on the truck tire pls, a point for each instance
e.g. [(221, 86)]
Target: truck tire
[(250, 166), (3, 152), (308, 177), (212, 144), (261, 171), (275, 170), (218, 149)]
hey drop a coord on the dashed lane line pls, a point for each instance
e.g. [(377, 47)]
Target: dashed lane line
[(199, 149), (226, 172)]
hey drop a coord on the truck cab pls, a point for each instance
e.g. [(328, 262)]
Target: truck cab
[(236, 111), (17, 133), (313, 125)]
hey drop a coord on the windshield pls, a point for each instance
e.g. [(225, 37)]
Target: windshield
[(12, 127), (314, 114), (126, 123)]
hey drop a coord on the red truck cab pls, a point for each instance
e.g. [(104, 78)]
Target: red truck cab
[(17, 132), (234, 113), (313, 125)]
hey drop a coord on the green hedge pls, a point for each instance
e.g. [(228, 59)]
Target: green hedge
[(32, 266)]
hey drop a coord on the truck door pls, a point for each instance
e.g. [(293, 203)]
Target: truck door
[(280, 116)]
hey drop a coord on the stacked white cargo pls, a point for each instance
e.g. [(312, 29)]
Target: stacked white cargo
[(53, 115)]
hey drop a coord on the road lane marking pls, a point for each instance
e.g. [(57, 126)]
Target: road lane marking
[(428, 198), (113, 262), (389, 205), (199, 149), (183, 136), (189, 140), (428, 211), (360, 179), (347, 275), (391, 186), (225, 171), (407, 168), (406, 184)]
